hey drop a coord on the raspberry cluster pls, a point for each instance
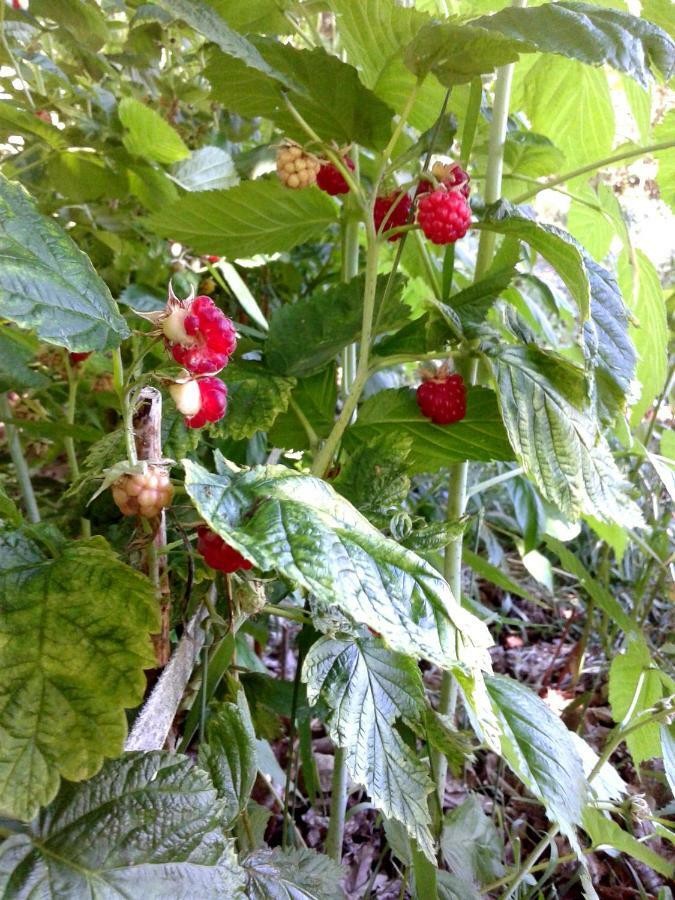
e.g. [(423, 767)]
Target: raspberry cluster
[(217, 553), (295, 168), (331, 180), (200, 337), (391, 211), (143, 494), (442, 398)]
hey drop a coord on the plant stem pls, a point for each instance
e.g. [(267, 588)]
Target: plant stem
[(312, 436), (591, 167), (125, 405), (336, 827), (68, 441), (525, 870), (19, 460), (286, 612)]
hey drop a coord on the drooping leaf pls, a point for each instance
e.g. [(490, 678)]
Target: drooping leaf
[(329, 95), (300, 527), (255, 398), (556, 246), (471, 844), (539, 749), (605, 832), (607, 342), (292, 875), (480, 435), (148, 134), (47, 283), (571, 104), (146, 825), (75, 643), (542, 399), (531, 154), (649, 333), (600, 595), (472, 303), (314, 399), (366, 688), (439, 731), (229, 755), (17, 350), (207, 169), (254, 217), (305, 335), (589, 33), (629, 671)]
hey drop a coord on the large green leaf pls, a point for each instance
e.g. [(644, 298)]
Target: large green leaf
[(374, 34), (47, 283), (148, 825), (571, 104), (457, 53), (605, 832), (556, 246), (300, 527), (366, 688), (665, 131), (543, 402), (254, 217), (480, 435), (628, 671), (255, 398), (644, 295), (75, 640), (229, 755), (292, 875), (539, 749), (254, 16), (607, 342), (207, 169), (375, 477), (148, 134), (329, 95), (305, 335), (589, 33)]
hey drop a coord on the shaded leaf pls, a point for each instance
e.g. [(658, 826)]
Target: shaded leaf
[(17, 350), (47, 283), (147, 825), (480, 435), (76, 641), (539, 749), (300, 527), (315, 397), (229, 755), (19, 121), (148, 134), (224, 223), (589, 33), (496, 575), (255, 398), (366, 688), (471, 844), (305, 335), (207, 169), (542, 399), (375, 476)]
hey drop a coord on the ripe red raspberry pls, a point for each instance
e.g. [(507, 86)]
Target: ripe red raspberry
[(201, 337), (76, 358), (452, 175), (212, 401), (211, 259), (442, 399), (391, 211), (444, 216), (217, 553), (143, 494), (331, 180)]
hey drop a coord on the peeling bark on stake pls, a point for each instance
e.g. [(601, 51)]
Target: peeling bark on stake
[(147, 424)]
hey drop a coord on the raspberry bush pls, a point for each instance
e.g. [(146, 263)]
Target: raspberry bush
[(316, 423)]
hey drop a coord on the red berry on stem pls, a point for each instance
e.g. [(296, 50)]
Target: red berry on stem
[(217, 553), (76, 358), (200, 336), (442, 399), (444, 216), (330, 179), (391, 211), (213, 398)]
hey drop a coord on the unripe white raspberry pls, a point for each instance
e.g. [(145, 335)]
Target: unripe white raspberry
[(143, 494), (296, 169), (173, 325), (187, 397)]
